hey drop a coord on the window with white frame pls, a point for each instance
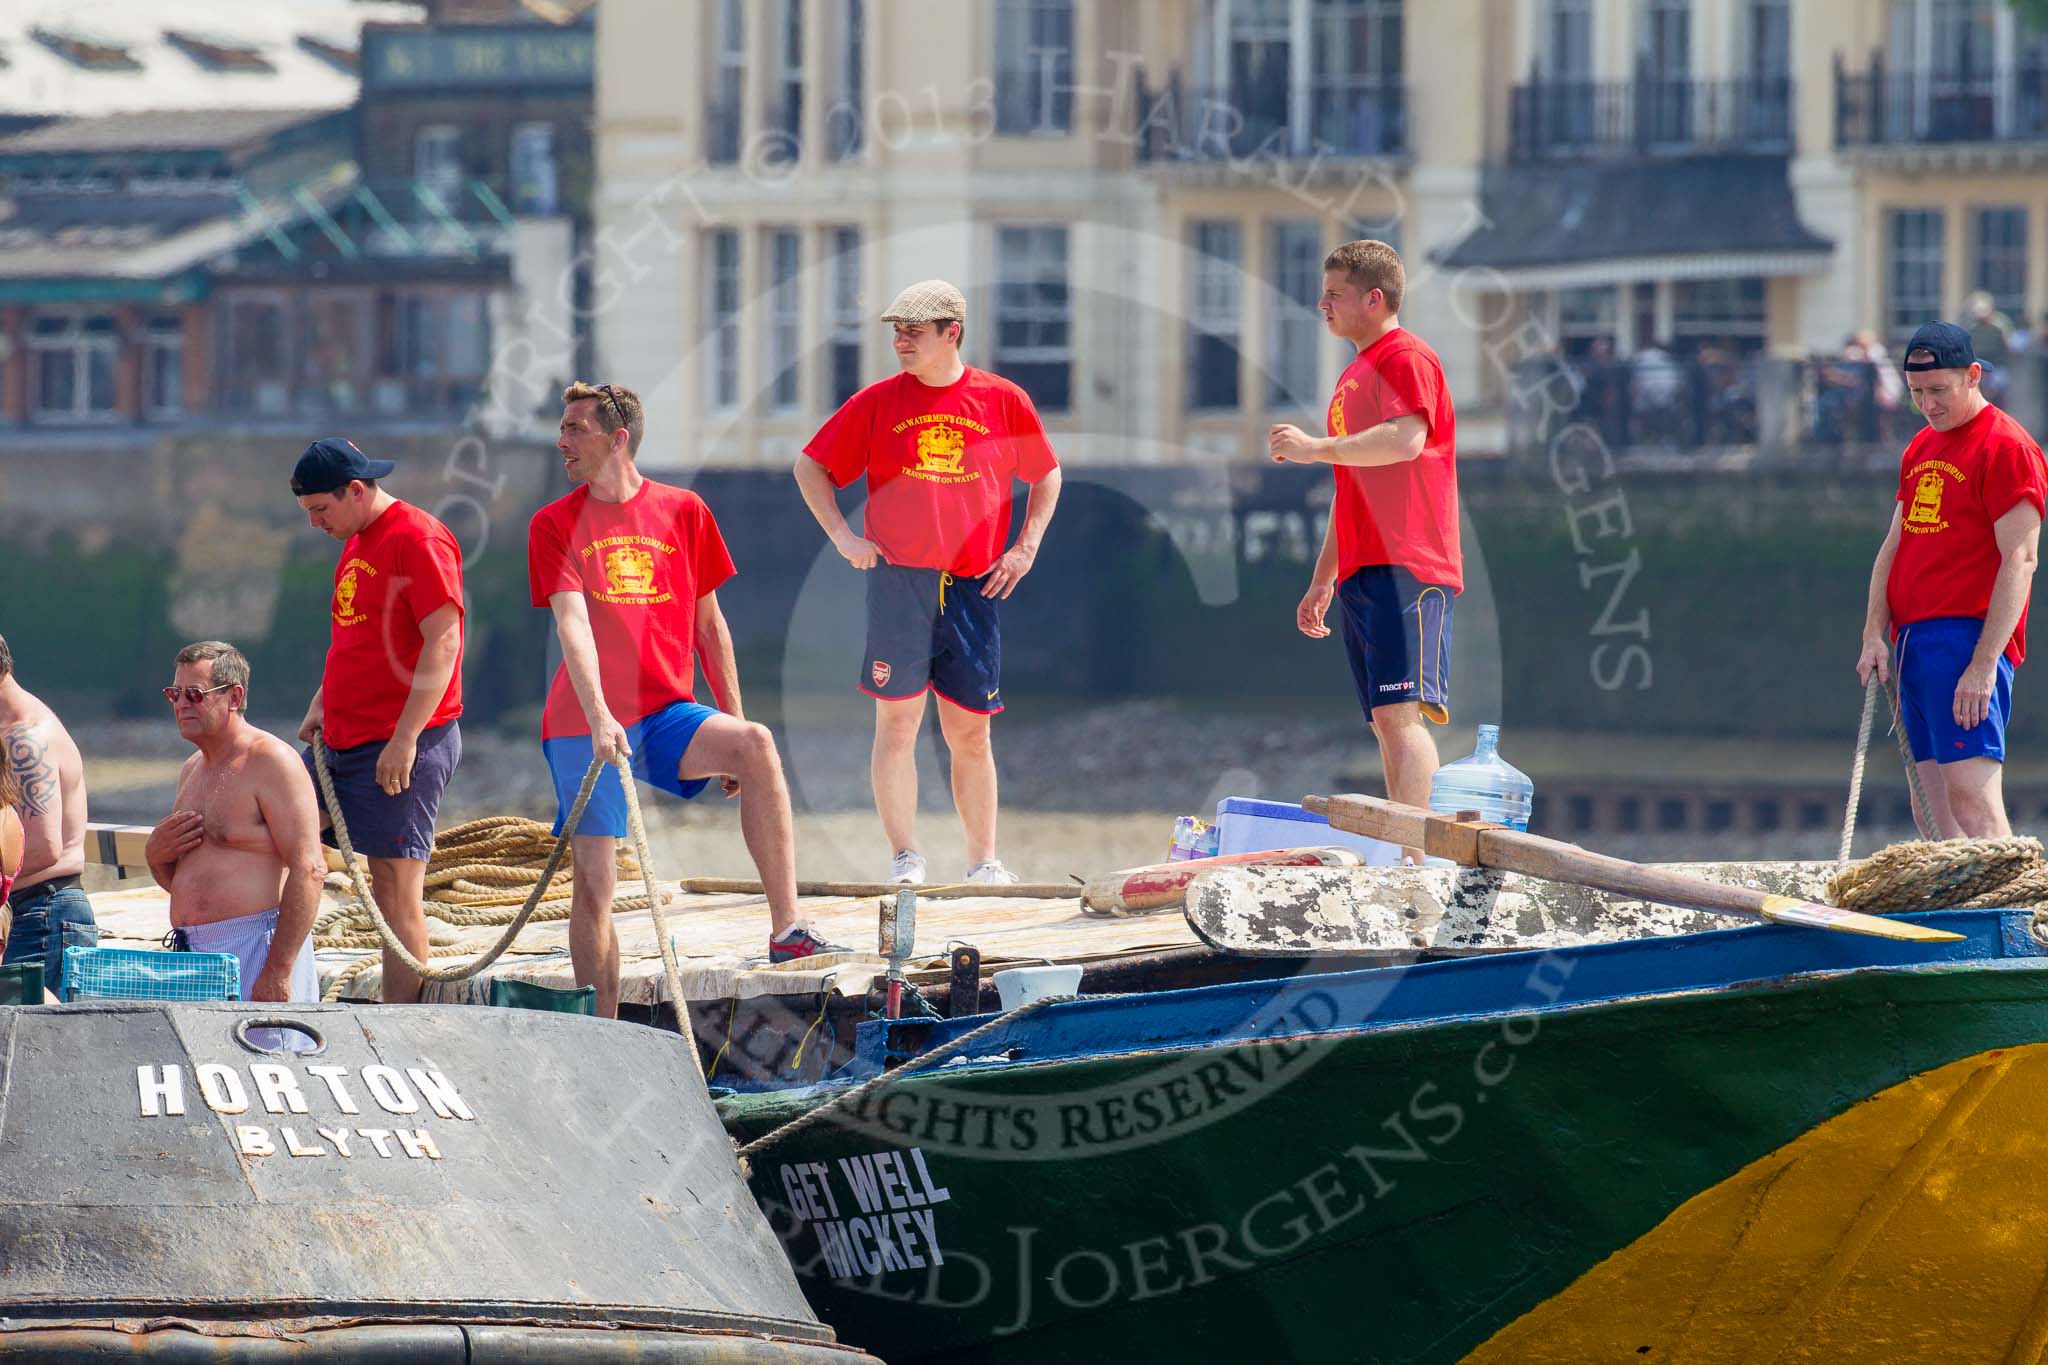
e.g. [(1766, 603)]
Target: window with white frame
[(847, 320), (73, 359), (844, 122), (784, 333), (163, 367), (728, 76), (1355, 103), (1034, 64), (1568, 40), (722, 317), (1034, 332), (1294, 77), (1587, 316), (1964, 36), (536, 188), (259, 355), (1215, 314), (785, 121), (1294, 328), (1767, 37), (2000, 266), (1667, 39), (1729, 312), (437, 160), (1913, 268)]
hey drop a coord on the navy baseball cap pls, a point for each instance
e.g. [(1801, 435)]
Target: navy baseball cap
[(1947, 343), (330, 463)]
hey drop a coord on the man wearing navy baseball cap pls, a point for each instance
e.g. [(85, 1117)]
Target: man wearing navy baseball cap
[(392, 688), (1947, 613)]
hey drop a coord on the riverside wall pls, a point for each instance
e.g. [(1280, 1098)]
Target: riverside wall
[(1605, 598)]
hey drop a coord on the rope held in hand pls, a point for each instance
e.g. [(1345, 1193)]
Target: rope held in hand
[(634, 824), (1922, 818)]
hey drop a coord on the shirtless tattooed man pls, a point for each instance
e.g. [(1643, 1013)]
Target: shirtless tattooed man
[(51, 781)]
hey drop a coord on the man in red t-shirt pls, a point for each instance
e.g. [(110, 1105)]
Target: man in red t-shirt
[(939, 444), (631, 570), (1390, 555), (388, 699), (1947, 612)]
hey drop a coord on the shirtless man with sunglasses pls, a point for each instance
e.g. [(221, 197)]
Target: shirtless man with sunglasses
[(240, 851)]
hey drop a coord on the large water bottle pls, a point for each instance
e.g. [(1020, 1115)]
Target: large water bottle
[(1485, 782)]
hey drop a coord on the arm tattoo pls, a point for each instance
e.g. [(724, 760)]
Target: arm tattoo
[(29, 755)]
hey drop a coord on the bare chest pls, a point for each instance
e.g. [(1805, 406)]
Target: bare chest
[(226, 801)]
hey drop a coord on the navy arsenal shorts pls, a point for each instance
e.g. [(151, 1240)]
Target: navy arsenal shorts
[(932, 631), (1397, 634)]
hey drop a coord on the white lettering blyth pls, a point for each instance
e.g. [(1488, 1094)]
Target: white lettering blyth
[(887, 1220), (278, 1089)]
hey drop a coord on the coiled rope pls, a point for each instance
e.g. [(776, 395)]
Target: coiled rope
[(1934, 874), (366, 901)]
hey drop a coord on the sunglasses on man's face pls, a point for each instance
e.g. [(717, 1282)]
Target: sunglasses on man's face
[(192, 695)]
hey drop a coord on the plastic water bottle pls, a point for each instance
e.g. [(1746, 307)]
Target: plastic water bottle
[(1485, 782)]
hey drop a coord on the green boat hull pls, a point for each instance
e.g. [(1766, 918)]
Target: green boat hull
[(1393, 1195)]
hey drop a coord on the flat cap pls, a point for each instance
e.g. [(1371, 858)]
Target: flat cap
[(928, 301)]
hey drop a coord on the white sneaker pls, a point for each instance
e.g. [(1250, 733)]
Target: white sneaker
[(908, 868), (992, 873)]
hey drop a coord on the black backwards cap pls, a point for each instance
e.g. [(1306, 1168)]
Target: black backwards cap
[(331, 463), (1947, 343)]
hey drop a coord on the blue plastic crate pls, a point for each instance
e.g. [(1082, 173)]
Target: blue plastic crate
[(150, 974)]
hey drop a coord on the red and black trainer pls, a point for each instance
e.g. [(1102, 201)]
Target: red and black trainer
[(801, 941)]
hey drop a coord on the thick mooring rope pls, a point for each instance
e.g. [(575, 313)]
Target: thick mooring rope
[(367, 901), (1934, 874)]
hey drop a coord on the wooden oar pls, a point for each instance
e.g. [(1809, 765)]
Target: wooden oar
[(1475, 843)]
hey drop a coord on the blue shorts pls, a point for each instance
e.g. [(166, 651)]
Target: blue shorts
[(1397, 635), (381, 825), (1928, 659), (659, 742), (932, 631)]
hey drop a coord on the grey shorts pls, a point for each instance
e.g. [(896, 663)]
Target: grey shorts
[(381, 825)]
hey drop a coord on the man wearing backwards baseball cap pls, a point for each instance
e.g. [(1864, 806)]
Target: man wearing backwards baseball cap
[(939, 444), (1948, 595), (392, 688)]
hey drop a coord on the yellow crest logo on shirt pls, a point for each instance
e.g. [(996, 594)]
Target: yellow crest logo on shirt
[(1926, 499), (629, 571), (940, 449), (346, 589), (1923, 513)]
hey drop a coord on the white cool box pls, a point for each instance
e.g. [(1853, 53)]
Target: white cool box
[(1248, 826)]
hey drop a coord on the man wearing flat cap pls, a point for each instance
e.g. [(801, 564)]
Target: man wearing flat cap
[(392, 688), (939, 444), (1947, 613)]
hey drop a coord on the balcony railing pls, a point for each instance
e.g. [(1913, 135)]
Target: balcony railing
[(1811, 407), (1886, 108), (1340, 119), (1561, 120)]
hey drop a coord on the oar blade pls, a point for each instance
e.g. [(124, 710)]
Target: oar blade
[(1785, 910)]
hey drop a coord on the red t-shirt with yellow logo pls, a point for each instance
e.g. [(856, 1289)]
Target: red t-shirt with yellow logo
[(1955, 486), (393, 574), (939, 463), (641, 565), (1404, 514)]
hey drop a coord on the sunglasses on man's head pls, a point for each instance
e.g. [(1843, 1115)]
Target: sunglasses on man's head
[(192, 695), (618, 408)]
